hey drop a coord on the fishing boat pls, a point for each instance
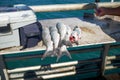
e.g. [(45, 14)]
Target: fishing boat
[(99, 35)]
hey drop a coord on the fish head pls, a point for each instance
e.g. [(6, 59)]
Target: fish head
[(74, 37)]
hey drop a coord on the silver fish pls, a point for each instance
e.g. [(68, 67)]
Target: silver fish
[(67, 41), (48, 43), (63, 51), (55, 38), (62, 30)]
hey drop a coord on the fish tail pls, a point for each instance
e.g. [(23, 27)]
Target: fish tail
[(47, 54), (61, 53), (59, 56), (68, 54)]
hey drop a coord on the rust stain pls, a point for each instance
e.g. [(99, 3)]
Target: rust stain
[(85, 29)]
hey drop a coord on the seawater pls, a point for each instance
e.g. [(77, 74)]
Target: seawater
[(51, 15)]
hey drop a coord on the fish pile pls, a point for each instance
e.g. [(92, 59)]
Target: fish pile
[(57, 38)]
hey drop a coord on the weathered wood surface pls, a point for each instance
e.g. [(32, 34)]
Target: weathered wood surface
[(104, 58), (93, 32)]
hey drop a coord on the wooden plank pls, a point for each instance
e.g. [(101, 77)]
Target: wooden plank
[(111, 67), (113, 62), (59, 75), (24, 69), (108, 62), (104, 58), (113, 57), (50, 76)]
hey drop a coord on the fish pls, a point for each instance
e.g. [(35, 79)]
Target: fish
[(46, 37), (55, 38), (75, 35), (62, 30), (63, 51), (66, 40)]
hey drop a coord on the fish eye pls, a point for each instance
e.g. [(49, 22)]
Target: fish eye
[(73, 37)]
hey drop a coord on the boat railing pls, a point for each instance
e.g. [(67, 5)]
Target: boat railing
[(66, 7)]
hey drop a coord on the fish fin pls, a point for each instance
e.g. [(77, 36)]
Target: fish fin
[(67, 43), (47, 54), (76, 42)]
